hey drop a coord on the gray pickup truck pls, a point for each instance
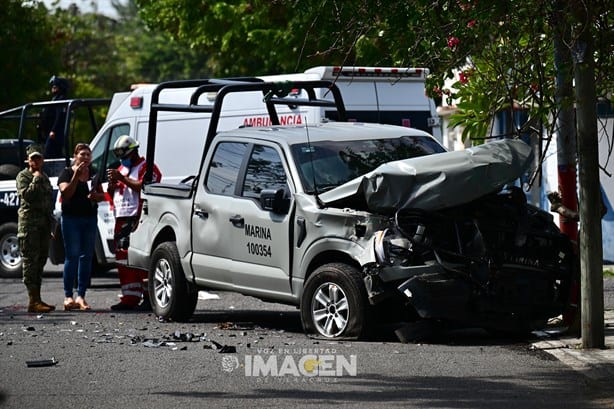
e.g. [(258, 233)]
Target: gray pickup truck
[(353, 223)]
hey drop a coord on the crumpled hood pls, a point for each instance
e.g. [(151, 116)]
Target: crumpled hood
[(435, 181)]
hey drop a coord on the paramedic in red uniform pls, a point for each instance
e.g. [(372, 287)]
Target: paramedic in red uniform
[(125, 188)]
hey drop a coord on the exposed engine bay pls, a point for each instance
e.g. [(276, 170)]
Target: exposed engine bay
[(495, 262)]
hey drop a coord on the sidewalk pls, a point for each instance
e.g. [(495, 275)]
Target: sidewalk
[(596, 364)]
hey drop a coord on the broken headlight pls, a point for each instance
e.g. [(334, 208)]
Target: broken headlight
[(391, 248)]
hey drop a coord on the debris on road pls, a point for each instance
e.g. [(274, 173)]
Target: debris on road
[(205, 295), (185, 337), (41, 363)]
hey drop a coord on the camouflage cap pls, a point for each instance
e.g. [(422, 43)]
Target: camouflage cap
[(34, 150)]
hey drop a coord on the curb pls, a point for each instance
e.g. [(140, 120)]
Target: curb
[(595, 363)]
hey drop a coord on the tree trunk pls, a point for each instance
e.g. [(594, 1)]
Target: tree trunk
[(566, 150), (565, 127), (591, 251)]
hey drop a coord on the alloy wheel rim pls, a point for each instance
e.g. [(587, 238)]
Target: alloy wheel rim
[(330, 309), (163, 283)]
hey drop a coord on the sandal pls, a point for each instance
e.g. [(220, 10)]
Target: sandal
[(82, 304), (70, 304)]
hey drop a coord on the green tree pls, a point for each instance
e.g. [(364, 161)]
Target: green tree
[(88, 53), (258, 37), (29, 52), (506, 46), (103, 55)]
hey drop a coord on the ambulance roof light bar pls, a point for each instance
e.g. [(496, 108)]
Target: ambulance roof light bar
[(390, 72)]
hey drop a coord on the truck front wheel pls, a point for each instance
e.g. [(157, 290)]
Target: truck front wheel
[(10, 257), (334, 302), (169, 292)]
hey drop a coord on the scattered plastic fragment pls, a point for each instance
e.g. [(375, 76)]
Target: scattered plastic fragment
[(153, 343), (40, 363), (236, 326), (186, 337), (225, 325), (204, 295), (224, 349)]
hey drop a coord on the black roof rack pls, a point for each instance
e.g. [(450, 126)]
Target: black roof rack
[(21, 113), (274, 94)]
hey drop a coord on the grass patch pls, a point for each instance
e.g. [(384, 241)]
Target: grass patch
[(608, 273)]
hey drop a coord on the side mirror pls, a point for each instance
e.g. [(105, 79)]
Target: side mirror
[(274, 200)]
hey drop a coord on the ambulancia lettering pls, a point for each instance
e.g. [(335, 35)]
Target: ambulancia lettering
[(259, 232), (266, 121)]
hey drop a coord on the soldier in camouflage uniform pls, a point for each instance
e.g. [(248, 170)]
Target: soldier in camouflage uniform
[(34, 225)]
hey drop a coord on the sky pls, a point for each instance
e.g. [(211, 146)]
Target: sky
[(104, 6)]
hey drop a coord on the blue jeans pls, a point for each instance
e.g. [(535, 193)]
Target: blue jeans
[(79, 234)]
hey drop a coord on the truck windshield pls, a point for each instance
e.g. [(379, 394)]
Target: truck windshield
[(329, 164)]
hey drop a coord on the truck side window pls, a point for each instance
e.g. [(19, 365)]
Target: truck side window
[(224, 168), (98, 150), (264, 171)]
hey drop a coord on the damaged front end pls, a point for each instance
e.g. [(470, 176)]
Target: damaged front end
[(459, 246), (496, 262)]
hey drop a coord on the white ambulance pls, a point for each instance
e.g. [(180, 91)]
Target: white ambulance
[(371, 94)]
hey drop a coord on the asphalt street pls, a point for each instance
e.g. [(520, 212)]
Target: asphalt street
[(107, 359)]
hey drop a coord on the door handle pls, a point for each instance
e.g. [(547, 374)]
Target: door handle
[(201, 213), (237, 221)]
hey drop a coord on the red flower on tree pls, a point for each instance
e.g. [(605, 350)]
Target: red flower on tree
[(466, 5), (453, 42)]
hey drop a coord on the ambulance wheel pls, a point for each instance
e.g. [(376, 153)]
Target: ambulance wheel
[(10, 257), (169, 293), (334, 303)]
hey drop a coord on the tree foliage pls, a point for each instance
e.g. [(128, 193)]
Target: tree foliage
[(98, 54), (29, 52), (504, 47), (259, 37)]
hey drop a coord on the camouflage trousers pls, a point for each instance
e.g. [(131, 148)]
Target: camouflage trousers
[(34, 247)]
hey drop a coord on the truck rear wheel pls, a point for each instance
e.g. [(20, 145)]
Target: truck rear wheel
[(10, 257), (334, 303), (170, 295)]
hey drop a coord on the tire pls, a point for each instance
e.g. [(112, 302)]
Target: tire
[(10, 257), (334, 303), (170, 295), (9, 171)]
